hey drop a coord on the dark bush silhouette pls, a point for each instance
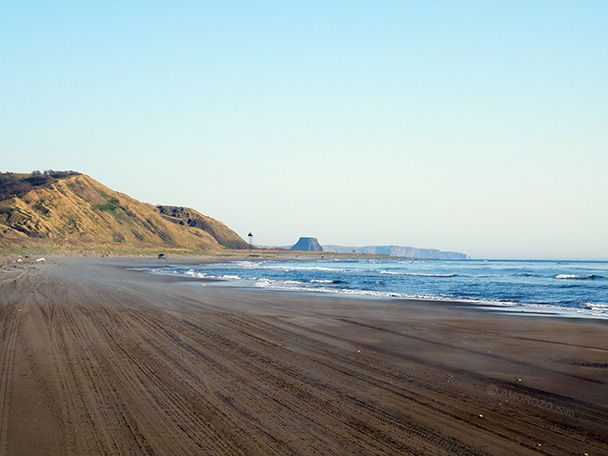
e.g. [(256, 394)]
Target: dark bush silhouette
[(59, 174), (38, 180), (13, 185)]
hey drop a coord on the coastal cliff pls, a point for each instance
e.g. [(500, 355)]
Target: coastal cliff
[(398, 251)]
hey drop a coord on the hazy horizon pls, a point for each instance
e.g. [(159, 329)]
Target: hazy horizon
[(468, 127)]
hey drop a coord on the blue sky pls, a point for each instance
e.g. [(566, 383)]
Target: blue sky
[(480, 127)]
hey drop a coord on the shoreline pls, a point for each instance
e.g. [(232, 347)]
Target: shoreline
[(102, 360), (478, 304)]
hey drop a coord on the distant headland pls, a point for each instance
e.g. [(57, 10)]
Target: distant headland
[(311, 244)]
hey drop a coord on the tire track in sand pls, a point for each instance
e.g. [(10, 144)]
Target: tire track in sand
[(9, 340)]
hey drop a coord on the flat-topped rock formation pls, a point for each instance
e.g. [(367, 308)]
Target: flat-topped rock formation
[(307, 244)]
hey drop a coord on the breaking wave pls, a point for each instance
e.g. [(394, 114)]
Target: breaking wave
[(579, 287), (416, 274), (576, 276)]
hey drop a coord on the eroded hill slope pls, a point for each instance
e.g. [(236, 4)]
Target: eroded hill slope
[(77, 211)]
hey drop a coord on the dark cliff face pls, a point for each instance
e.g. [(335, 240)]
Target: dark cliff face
[(308, 244)]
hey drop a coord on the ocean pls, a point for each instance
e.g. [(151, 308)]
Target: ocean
[(559, 288)]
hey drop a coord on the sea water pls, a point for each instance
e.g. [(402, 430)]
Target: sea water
[(566, 288)]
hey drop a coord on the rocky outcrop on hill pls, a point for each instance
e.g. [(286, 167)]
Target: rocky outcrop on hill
[(307, 244), (189, 217)]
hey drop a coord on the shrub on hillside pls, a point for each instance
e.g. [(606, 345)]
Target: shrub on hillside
[(12, 184)]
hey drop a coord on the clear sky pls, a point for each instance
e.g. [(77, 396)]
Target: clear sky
[(480, 127)]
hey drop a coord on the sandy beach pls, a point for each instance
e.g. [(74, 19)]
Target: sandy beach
[(100, 359)]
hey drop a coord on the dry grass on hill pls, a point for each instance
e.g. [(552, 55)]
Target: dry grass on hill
[(76, 212)]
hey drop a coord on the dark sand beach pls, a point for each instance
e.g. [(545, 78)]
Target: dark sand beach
[(97, 359)]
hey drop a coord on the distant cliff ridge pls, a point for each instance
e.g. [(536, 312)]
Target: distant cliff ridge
[(398, 251), (307, 244)]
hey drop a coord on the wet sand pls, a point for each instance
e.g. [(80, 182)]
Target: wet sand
[(97, 359)]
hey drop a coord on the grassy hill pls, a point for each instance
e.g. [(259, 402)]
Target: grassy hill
[(74, 212)]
